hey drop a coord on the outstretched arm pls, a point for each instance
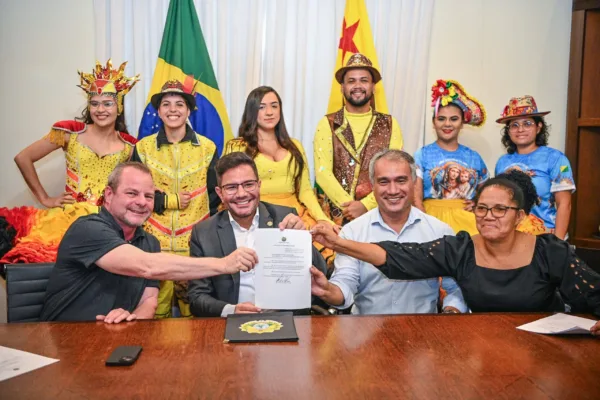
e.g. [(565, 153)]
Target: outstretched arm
[(367, 252), (440, 257), (129, 260)]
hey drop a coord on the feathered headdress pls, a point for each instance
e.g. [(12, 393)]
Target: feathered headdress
[(108, 81)]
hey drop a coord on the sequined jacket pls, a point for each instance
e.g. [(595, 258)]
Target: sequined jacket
[(185, 166), (351, 161)]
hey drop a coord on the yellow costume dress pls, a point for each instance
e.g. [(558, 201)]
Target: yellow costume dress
[(87, 175), (87, 172)]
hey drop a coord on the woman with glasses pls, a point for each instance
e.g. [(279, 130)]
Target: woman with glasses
[(448, 173), (498, 270), (281, 161), (525, 136), (93, 145)]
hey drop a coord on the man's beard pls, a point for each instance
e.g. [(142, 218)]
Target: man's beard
[(132, 224), (359, 103)]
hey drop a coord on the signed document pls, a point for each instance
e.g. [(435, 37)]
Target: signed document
[(282, 275)]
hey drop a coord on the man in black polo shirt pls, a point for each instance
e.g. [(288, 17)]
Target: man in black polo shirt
[(107, 266)]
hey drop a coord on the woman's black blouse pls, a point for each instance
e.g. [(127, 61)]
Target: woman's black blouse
[(554, 269)]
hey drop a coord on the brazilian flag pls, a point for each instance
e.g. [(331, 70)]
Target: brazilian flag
[(183, 52)]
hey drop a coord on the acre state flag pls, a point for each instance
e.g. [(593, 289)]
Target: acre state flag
[(356, 37)]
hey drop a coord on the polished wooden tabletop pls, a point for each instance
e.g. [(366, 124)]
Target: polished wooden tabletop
[(343, 357)]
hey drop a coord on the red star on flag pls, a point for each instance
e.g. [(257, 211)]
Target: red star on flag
[(347, 39)]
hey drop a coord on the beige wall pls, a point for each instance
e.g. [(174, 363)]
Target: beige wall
[(42, 45), (502, 49)]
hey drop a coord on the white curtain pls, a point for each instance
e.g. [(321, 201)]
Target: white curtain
[(290, 45)]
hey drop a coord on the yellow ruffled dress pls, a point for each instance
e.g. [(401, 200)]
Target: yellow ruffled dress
[(87, 176)]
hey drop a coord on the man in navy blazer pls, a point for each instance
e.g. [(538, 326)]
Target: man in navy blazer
[(238, 187)]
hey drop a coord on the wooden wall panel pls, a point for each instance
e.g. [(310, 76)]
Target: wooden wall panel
[(573, 97), (590, 79), (587, 180), (585, 4), (582, 145)]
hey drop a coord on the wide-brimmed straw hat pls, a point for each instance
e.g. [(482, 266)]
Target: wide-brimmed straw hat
[(521, 107)]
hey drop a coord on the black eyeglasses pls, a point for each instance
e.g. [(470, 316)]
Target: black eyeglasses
[(497, 211), (232, 188)]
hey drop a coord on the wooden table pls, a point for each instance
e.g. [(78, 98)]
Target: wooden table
[(344, 357)]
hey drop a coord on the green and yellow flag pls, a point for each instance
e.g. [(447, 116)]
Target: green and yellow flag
[(183, 52), (356, 37)]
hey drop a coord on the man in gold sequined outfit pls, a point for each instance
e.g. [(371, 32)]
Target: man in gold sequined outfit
[(346, 141)]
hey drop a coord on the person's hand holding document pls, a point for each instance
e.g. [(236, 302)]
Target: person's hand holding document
[(563, 324), (282, 275)]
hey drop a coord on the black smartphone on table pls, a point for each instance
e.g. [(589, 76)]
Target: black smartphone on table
[(123, 356)]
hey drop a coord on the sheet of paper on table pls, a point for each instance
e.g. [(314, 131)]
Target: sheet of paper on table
[(16, 362), (560, 324)]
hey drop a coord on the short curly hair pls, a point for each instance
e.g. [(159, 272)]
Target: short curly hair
[(518, 184), (541, 139)]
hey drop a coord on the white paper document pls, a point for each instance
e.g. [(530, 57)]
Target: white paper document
[(16, 362), (282, 275), (560, 324)]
